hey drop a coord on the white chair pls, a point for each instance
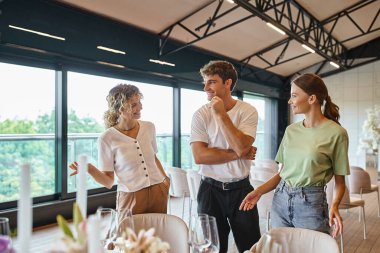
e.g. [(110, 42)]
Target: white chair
[(194, 181), (351, 202), (266, 163), (168, 227), (264, 205), (295, 240), (258, 176), (178, 185), (360, 183), (262, 173)]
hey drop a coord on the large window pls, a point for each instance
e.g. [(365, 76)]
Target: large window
[(266, 135), (191, 100), (27, 127), (87, 104)]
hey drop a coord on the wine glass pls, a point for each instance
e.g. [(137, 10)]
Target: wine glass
[(108, 225), (5, 235), (214, 236), (199, 233)]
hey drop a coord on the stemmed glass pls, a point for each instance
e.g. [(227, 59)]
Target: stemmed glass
[(199, 233), (5, 235), (108, 225), (214, 236)]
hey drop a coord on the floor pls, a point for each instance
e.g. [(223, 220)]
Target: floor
[(43, 239)]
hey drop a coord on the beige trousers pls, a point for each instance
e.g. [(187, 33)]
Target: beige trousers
[(153, 199)]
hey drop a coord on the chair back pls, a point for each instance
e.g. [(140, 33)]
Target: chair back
[(266, 163), (194, 181), (264, 205), (346, 200), (169, 228), (359, 179), (295, 240), (178, 182), (262, 173)]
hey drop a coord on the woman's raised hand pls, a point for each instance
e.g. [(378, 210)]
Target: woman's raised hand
[(250, 200), (74, 166)]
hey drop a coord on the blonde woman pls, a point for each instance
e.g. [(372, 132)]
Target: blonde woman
[(128, 150)]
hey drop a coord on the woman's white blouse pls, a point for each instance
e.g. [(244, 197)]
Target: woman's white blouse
[(132, 160)]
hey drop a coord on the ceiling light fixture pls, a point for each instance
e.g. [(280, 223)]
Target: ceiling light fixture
[(276, 28), (231, 1), (37, 32), (111, 64), (308, 48), (162, 62), (110, 50), (334, 64)]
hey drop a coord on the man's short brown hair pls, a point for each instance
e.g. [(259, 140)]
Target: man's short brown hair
[(224, 69)]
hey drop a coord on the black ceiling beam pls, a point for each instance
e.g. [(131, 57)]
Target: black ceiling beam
[(336, 71), (366, 53), (333, 18), (323, 64), (164, 36), (348, 10), (271, 65), (323, 42)]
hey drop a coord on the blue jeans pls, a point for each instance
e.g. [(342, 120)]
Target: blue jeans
[(300, 207)]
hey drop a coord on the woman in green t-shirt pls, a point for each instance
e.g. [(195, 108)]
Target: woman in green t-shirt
[(310, 154)]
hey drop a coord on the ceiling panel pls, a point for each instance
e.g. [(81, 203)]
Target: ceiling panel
[(149, 15), (289, 68), (242, 40), (327, 9)]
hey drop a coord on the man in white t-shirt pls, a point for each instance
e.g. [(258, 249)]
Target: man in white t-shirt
[(222, 134)]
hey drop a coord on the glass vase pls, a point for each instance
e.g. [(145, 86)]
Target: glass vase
[(371, 165)]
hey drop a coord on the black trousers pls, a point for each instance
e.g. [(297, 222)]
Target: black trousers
[(224, 206)]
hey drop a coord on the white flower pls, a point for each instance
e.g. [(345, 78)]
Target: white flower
[(144, 242)]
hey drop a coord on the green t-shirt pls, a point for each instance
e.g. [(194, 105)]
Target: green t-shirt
[(311, 156)]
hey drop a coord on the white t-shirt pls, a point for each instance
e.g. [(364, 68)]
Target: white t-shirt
[(205, 129), (132, 160)]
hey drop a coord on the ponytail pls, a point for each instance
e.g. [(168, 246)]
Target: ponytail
[(110, 119), (331, 110)]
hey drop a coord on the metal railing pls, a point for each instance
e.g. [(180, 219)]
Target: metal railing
[(39, 151)]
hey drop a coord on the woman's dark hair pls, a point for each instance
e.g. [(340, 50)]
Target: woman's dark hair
[(314, 85)]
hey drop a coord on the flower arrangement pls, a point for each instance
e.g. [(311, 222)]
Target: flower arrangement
[(75, 241), (370, 139), (144, 242)]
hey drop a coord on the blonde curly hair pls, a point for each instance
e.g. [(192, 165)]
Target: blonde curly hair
[(117, 97)]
